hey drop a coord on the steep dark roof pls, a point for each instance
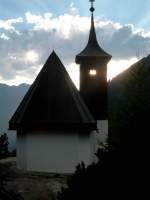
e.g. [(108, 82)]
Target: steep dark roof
[(130, 72), (52, 102), (92, 50)]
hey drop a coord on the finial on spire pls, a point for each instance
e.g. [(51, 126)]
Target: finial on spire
[(92, 6)]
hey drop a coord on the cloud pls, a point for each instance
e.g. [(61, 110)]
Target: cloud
[(9, 24), (113, 36), (63, 25), (40, 22), (31, 56), (73, 9), (23, 55), (3, 36)]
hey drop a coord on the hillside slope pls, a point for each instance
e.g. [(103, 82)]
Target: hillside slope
[(129, 105)]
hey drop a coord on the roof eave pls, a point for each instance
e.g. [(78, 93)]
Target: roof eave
[(76, 127), (80, 58)]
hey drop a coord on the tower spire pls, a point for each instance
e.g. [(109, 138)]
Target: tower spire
[(93, 49), (92, 36), (92, 9)]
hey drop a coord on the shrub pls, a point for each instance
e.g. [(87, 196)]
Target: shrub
[(4, 146), (112, 177)]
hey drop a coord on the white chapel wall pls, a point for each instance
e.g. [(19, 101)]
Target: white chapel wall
[(21, 151), (98, 138), (53, 152), (58, 152), (102, 126), (84, 149)]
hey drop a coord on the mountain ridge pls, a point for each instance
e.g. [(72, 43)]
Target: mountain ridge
[(10, 98)]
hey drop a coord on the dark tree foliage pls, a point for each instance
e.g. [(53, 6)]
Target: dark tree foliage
[(4, 146), (112, 177)]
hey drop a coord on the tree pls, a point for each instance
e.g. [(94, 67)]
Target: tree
[(114, 176), (4, 146)]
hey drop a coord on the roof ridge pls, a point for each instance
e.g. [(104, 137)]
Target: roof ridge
[(72, 88), (47, 103), (25, 101)]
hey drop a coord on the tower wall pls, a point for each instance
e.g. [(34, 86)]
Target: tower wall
[(93, 88)]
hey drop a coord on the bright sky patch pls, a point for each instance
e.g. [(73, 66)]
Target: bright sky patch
[(31, 56)]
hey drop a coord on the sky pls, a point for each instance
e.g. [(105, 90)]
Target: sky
[(31, 29)]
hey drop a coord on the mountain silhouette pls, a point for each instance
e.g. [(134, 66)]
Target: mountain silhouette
[(10, 97)]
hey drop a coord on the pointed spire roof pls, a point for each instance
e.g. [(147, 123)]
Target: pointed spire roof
[(52, 102), (92, 37), (92, 49)]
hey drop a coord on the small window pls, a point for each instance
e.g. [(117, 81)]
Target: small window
[(92, 72)]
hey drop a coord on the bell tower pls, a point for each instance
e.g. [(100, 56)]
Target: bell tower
[(93, 62)]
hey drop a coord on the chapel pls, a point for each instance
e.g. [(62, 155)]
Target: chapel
[(58, 126)]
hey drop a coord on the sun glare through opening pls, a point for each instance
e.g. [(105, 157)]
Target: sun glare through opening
[(92, 72)]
